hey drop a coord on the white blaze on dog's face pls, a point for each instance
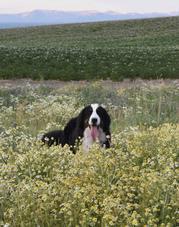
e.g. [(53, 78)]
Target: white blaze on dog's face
[(94, 119)]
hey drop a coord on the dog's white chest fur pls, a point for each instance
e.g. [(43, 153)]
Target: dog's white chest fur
[(88, 139)]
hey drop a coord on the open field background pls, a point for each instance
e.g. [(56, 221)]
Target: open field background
[(116, 50), (135, 183)]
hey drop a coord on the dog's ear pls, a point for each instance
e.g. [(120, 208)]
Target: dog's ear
[(81, 119), (106, 118), (69, 128)]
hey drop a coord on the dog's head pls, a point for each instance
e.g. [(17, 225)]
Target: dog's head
[(94, 117)]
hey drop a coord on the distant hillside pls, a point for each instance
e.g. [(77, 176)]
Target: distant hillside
[(38, 17), (124, 49)]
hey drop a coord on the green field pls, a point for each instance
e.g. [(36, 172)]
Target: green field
[(116, 50), (134, 183)]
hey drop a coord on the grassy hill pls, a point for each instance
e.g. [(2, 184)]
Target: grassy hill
[(116, 50)]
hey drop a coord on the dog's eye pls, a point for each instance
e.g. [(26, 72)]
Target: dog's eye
[(99, 111), (90, 111)]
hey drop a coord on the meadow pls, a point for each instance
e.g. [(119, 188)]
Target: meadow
[(134, 183), (147, 49)]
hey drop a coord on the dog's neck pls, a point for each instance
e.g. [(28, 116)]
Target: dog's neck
[(88, 139)]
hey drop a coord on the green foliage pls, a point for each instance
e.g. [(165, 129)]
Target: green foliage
[(134, 183), (115, 50)]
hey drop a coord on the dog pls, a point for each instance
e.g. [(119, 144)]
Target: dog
[(90, 126)]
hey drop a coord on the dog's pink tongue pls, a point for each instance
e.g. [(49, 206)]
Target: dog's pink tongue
[(94, 132)]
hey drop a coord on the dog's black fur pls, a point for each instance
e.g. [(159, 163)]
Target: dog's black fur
[(74, 130), (54, 138)]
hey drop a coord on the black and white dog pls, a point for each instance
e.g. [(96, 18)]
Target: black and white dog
[(91, 125)]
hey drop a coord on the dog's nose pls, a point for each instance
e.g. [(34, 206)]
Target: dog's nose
[(94, 121)]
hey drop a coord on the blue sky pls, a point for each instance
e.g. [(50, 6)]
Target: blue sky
[(123, 6)]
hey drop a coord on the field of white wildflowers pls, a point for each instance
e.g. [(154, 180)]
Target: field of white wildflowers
[(146, 49), (134, 183)]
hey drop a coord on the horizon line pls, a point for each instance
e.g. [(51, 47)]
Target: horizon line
[(95, 11)]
